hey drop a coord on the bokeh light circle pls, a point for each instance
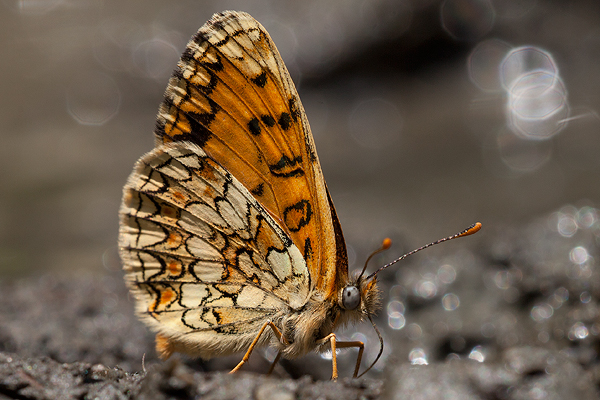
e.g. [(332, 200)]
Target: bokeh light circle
[(467, 19), (483, 62), (93, 98)]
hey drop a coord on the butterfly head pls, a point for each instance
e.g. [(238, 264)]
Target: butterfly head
[(360, 295), (359, 299)]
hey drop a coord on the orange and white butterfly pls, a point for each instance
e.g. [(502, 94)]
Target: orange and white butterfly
[(228, 236)]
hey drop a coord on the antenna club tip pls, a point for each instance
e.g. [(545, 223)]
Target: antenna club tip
[(472, 229), (387, 242)]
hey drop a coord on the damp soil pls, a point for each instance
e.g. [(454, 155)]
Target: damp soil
[(525, 327)]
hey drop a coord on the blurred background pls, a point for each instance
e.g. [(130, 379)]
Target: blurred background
[(428, 115)]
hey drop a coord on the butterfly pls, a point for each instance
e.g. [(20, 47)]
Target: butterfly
[(228, 235)]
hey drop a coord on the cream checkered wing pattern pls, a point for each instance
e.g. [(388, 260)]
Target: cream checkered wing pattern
[(206, 262)]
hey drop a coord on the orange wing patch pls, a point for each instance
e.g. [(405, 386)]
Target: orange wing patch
[(232, 95)]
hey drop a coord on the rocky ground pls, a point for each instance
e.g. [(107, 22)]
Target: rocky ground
[(526, 327)]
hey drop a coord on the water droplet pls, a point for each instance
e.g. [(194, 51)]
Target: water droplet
[(578, 255), (414, 331), (155, 58), (543, 337), (396, 321), (395, 306), (585, 297), (477, 354), (425, 289), (559, 297), (446, 274), (417, 356), (488, 330), (578, 331), (541, 312), (587, 217), (93, 98), (566, 225), (450, 302), (537, 98), (483, 64)]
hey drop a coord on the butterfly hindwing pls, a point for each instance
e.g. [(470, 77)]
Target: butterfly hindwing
[(205, 260)]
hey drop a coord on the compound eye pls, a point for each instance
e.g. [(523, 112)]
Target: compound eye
[(350, 297)]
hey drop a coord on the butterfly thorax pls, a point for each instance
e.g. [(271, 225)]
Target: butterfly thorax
[(303, 329)]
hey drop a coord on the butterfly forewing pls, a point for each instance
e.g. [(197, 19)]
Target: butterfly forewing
[(232, 95)]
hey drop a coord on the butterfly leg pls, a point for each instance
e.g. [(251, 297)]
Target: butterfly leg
[(361, 349), (331, 339), (255, 341), (274, 362), (334, 345)]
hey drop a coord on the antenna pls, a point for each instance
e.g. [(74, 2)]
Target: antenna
[(387, 242), (469, 231)]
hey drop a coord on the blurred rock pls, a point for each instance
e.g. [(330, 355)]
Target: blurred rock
[(521, 373), (522, 323)]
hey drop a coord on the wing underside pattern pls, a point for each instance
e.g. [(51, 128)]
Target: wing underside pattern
[(200, 253)]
